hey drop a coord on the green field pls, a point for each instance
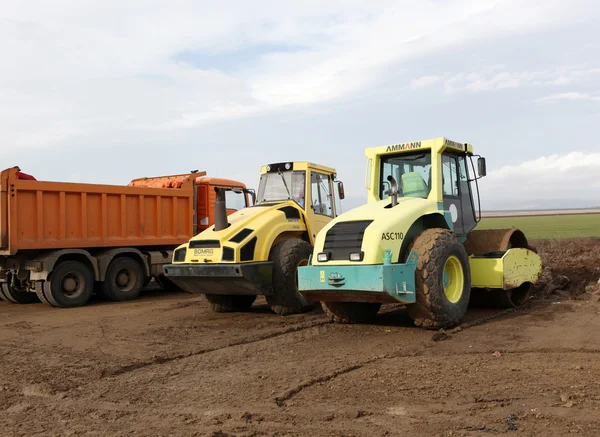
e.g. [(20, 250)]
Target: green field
[(544, 227)]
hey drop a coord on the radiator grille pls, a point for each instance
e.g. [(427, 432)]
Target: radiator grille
[(345, 238)]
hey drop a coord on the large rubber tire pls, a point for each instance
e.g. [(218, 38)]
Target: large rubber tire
[(39, 291), (124, 280), (287, 256), (226, 303), (442, 260), (351, 312), (70, 284), (12, 294)]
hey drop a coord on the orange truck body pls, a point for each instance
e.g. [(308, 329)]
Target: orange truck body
[(149, 215)]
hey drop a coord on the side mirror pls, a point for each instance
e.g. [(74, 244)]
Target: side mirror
[(481, 168), (340, 186)]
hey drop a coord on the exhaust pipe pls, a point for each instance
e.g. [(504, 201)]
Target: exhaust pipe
[(220, 210), (393, 191)]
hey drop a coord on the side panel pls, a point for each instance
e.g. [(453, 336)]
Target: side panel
[(514, 268), (51, 215)]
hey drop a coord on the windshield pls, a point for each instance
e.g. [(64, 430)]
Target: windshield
[(282, 186), (412, 173), (235, 200)]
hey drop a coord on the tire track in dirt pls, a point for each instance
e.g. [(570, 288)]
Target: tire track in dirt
[(280, 400), (290, 393), (525, 309), (157, 360)]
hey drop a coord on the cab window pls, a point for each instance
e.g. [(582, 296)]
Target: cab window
[(412, 172), (235, 201), (321, 198), (450, 175)]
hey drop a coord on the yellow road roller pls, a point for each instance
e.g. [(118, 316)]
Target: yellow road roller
[(414, 242), (257, 250)]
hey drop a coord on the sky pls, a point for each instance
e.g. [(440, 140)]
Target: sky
[(108, 91)]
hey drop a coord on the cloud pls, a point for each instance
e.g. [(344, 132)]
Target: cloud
[(77, 71), (570, 96), (497, 77), (550, 181), (425, 81)]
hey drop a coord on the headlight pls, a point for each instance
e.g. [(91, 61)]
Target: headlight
[(356, 256), (323, 257), (288, 166), (179, 255)]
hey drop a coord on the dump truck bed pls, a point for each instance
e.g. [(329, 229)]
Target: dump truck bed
[(36, 215)]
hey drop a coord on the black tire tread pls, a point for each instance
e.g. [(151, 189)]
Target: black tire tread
[(2, 296), (429, 311), (9, 294), (117, 295), (286, 255), (66, 265), (39, 290)]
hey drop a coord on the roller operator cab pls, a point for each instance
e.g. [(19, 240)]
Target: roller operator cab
[(414, 243), (257, 251)]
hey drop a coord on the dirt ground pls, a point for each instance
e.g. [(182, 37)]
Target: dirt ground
[(164, 365)]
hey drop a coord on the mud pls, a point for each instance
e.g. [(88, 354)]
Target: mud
[(164, 365)]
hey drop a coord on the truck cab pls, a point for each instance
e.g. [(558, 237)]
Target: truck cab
[(237, 197)]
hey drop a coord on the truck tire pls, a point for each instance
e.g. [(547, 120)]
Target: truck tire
[(287, 256), (351, 312), (39, 291), (70, 284), (123, 281), (10, 293), (226, 303), (443, 280)]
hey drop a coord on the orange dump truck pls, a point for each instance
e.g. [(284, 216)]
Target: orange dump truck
[(61, 241)]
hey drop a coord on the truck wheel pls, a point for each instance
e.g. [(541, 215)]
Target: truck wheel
[(39, 291), (350, 312), (226, 303), (124, 280), (443, 280), (287, 256), (16, 294), (71, 284)]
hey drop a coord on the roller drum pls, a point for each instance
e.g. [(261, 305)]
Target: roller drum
[(494, 243)]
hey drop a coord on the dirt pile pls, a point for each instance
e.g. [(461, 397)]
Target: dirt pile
[(571, 269)]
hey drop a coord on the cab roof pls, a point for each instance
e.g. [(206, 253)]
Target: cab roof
[(436, 145), (296, 165), (210, 180)]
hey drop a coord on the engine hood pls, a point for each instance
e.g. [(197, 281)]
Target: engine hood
[(371, 229), (248, 237)]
